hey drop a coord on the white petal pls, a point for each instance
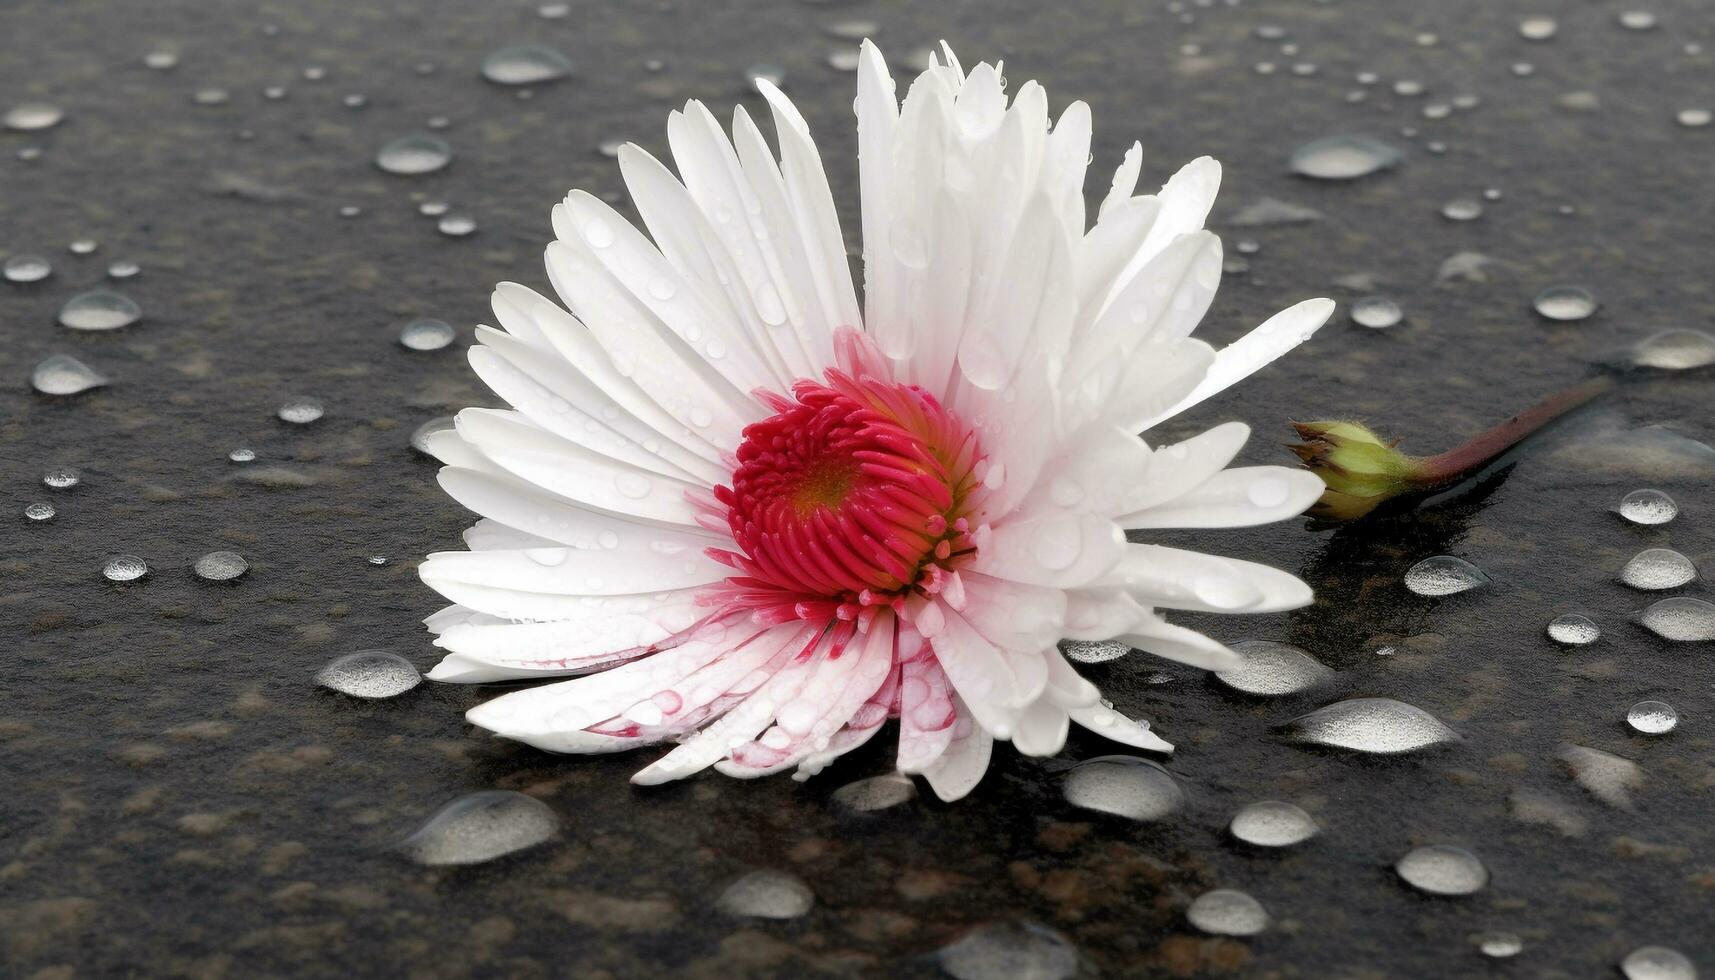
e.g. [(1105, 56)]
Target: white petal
[(1157, 636), (1185, 202), (1124, 184), (926, 714), (982, 674), (1110, 724), (1155, 377), (1240, 497), (1041, 729), (1098, 614), (965, 760), (1029, 616), (878, 119), (1162, 303), (1253, 352), (1096, 471), (1062, 550), (513, 502), (484, 652), (1177, 469), (629, 568), (1175, 579)]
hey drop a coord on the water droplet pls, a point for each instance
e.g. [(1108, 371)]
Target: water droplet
[(1637, 20), (221, 566), (82, 246), (1124, 786), (1344, 157), (1376, 312), (456, 225), (1652, 717), (420, 435), (1093, 651), (1465, 267), (610, 148), (426, 334), (1523, 69), (210, 96), (355, 100), (1442, 869), (1444, 575), (1680, 618), (242, 455), (1273, 823), (480, 827), (369, 674), (378, 560), (26, 268), (773, 74), (1573, 630), (1565, 303), (768, 305), (1655, 569), (39, 511), (1605, 776), (99, 309), (1695, 118), (62, 374), (1537, 28), (844, 59), (161, 59), (1657, 963), (417, 153), (124, 568), (1017, 950), (1272, 669), (526, 64), (300, 410), (1499, 945), (553, 11), (1675, 350), (1462, 209), (875, 793), (1227, 912), (1408, 87), (28, 116), (767, 895), (1381, 726), (123, 269), (1648, 507)]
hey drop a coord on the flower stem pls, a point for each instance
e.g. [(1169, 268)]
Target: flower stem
[(1462, 461)]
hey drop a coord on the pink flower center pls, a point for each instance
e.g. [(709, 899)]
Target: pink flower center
[(853, 494)]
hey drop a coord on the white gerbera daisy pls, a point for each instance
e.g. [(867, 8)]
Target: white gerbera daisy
[(773, 522)]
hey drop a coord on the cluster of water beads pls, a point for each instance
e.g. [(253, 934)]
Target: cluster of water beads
[(1442, 869), (62, 374), (1227, 912), (99, 309), (1656, 569), (1377, 312), (24, 268), (426, 334), (370, 674), (1652, 718), (1273, 823), (1271, 669), (767, 894), (1444, 575), (1375, 726), (480, 827), (1648, 507), (1124, 786), (1564, 303)]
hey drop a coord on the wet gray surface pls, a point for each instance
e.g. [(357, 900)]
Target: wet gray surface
[(182, 799)]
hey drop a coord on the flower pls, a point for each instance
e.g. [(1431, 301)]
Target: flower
[(772, 523)]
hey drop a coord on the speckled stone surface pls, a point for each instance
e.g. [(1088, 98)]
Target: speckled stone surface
[(181, 799)]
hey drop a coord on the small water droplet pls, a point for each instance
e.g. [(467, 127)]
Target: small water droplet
[(61, 478), (62, 374), (300, 410), (1380, 726), (844, 59), (1376, 312), (1499, 945), (1125, 786), (457, 225), (26, 268), (1675, 350), (1344, 157), (221, 566), (378, 560), (1538, 28), (1227, 912), (1273, 823), (211, 96), (1271, 669), (432, 209), (426, 334), (242, 455), (355, 100), (526, 64), (30, 116), (1444, 575), (767, 895), (1637, 20), (161, 59), (1573, 630), (1648, 507), (1565, 303), (1093, 651), (553, 11), (875, 793), (123, 269), (369, 674), (99, 309), (480, 827), (1442, 869), (124, 568), (1657, 963), (39, 511), (1680, 618), (417, 153), (1652, 718), (1462, 209), (1655, 569)]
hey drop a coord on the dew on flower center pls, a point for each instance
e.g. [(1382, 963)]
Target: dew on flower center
[(1125, 786), (1444, 575), (1377, 726), (1442, 869), (480, 827), (369, 674)]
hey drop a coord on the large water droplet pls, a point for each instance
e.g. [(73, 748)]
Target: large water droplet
[(418, 153), (62, 374), (767, 895), (26, 268), (39, 511), (124, 568), (1655, 569), (61, 478), (1377, 313), (30, 116), (1343, 157), (221, 566), (1652, 718), (1227, 912), (1537, 28), (1565, 303), (426, 334), (1093, 651), (1273, 823), (99, 309), (456, 225), (1442, 869), (480, 827), (1648, 507), (1657, 963), (875, 793), (1573, 630), (369, 674), (1694, 118), (1444, 575), (1381, 726), (1010, 951), (1680, 618), (300, 410), (1124, 786), (1675, 350), (1272, 669), (1606, 776), (526, 64)]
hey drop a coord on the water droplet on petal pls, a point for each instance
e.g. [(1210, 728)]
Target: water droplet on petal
[(370, 674), (1648, 507), (1227, 912), (480, 827), (1442, 869), (99, 309), (125, 568), (1124, 786), (1344, 157), (62, 374), (221, 566), (1655, 569), (1270, 669), (526, 64), (1380, 726), (1657, 963), (1573, 630), (1680, 618), (1273, 823), (767, 895), (1565, 303), (1444, 575), (417, 153), (1652, 718)]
